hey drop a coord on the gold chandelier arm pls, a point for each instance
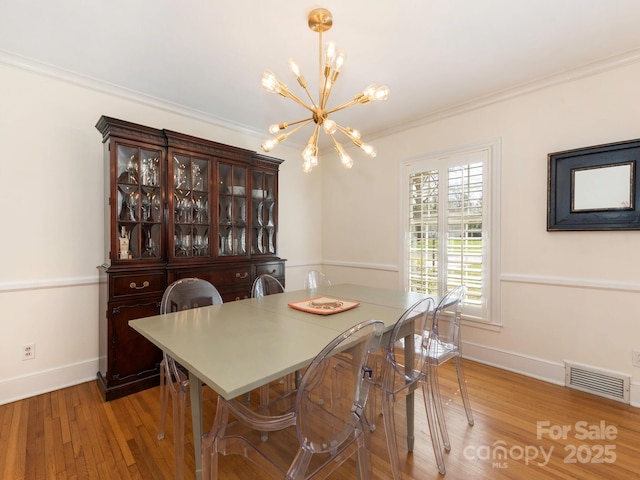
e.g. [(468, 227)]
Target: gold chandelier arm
[(346, 160), (285, 125), (295, 69), (268, 145), (306, 121), (298, 101), (309, 95), (349, 133), (348, 104)]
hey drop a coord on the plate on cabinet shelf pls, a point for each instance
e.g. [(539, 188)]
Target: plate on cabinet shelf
[(236, 190)]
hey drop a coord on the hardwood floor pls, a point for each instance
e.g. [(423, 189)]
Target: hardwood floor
[(72, 433)]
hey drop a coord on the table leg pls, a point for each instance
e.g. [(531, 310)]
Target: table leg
[(195, 386)]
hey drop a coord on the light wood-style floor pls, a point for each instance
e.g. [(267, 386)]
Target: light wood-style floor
[(72, 433)]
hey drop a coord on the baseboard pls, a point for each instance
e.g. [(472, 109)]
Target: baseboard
[(552, 372), (18, 388)]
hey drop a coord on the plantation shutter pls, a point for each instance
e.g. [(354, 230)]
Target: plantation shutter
[(446, 232)]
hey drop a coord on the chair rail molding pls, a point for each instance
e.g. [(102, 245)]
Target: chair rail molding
[(571, 282), (48, 283)]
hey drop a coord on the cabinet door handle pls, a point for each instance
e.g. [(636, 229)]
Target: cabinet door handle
[(242, 275), (145, 284)]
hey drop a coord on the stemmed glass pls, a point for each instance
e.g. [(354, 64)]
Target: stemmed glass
[(131, 170), (201, 209), (186, 208), (153, 171), (132, 203), (149, 245), (146, 206)]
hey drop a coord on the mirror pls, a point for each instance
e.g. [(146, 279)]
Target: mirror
[(602, 188)]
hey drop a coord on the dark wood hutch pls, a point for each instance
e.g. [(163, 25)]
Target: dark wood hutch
[(176, 206)]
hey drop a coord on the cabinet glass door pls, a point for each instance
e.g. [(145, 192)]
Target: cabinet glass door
[(139, 203), (232, 210), (263, 201), (190, 199)]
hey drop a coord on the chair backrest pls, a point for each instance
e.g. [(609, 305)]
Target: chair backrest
[(315, 279), (266, 284), (446, 317), (414, 320), (333, 390), (188, 293)]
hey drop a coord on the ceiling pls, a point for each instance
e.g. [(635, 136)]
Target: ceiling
[(206, 57)]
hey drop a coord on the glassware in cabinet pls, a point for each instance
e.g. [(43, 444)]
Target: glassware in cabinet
[(232, 210), (263, 201), (190, 200), (138, 202)]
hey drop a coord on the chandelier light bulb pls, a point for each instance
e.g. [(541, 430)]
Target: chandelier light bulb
[(368, 150), (270, 82), (346, 160), (353, 132), (268, 145), (293, 66), (330, 54), (329, 126), (329, 67), (381, 93), (309, 154), (274, 128), (339, 61)]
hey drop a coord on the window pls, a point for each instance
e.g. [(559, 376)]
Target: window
[(448, 226)]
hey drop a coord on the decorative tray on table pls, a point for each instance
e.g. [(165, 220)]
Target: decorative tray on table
[(324, 305)]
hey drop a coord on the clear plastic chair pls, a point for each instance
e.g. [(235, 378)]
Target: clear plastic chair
[(183, 294), (266, 284), (327, 420), (398, 371), (316, 279), (444, 345)]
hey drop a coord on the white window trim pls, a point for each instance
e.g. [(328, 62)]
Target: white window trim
[(492, 320)]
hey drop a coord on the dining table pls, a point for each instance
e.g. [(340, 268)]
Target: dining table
[(238, 346)]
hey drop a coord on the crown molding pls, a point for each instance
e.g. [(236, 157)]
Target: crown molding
[(587, 70), (101, 86)]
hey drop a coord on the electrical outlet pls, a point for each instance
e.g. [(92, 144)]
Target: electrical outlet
[(29, 351), (635, 358)]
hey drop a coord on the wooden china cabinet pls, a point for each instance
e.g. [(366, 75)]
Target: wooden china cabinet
[(176, 206)]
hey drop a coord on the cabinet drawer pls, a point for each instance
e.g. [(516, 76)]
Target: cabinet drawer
[(222, 276), (275, 269), (142, 283)]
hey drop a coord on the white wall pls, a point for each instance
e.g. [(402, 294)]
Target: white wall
[(51, 200), (565, 295)]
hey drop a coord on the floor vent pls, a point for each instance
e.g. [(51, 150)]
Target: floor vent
[(599, 382)]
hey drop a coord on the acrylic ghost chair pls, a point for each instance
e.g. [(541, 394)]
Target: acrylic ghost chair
[(266, 284), (327, 419), (398, 371), (183, 294), (316, 279), (444, 345)]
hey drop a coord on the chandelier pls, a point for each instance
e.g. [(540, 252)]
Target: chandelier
[(320, 21)]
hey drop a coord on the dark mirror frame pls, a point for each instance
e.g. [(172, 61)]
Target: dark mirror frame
[(560, 188)]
